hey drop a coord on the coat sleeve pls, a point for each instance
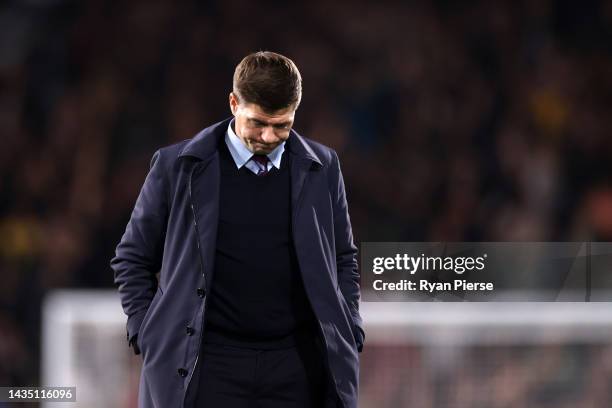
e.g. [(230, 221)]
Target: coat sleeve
[(346, 251), (138, 255)]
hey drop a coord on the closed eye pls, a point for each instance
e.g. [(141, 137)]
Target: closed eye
[(260, 123)]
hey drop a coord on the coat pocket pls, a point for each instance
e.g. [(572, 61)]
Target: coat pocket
[(346, 311), (147, 321)]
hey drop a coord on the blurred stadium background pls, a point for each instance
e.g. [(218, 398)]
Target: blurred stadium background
[(473, 120)]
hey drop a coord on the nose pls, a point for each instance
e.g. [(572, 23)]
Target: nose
[(268, 135)]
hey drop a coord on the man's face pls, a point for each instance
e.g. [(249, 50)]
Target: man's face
[(260, 132)]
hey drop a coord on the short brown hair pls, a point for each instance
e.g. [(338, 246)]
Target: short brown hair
[(269, 80)]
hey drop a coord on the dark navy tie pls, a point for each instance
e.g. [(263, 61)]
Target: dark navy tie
[(262, 163)]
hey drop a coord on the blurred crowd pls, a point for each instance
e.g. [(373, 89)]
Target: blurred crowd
[(575, 375), (474, 120)]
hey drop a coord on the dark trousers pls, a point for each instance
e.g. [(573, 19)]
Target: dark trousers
[(289, 377)]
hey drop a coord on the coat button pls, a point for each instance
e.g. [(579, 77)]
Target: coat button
[(201, 292), (182, 372), (189, 330)]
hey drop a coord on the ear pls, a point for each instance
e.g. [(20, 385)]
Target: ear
[(233, 102)]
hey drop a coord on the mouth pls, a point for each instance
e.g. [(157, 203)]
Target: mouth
[(262, 145)]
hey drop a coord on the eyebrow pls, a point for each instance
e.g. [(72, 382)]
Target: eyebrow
[(263, 122)]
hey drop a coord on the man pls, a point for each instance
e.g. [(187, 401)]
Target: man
[(257, 299)]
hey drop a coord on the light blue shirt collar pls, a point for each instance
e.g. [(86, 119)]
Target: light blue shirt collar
[(242, 155)]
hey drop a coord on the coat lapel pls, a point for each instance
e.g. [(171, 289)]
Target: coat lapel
[(204, 187), (302, 161), (204, 181), (300, 167)]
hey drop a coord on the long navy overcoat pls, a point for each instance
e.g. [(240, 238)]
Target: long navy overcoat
[(172, 231)]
